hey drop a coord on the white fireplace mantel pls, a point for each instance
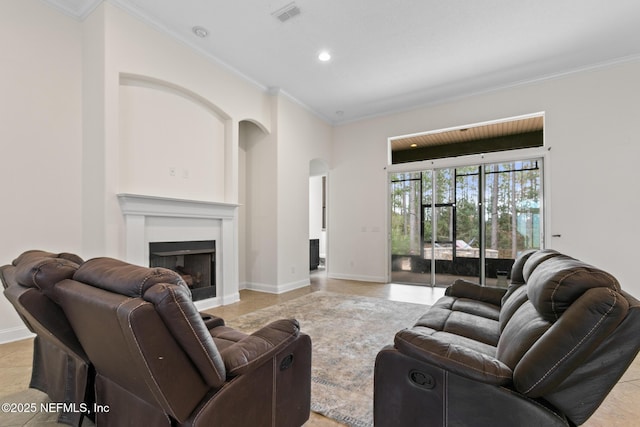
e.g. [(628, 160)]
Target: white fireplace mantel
[(136, 204), (140, 210)]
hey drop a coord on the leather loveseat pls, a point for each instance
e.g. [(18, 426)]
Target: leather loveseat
[(544, 352)]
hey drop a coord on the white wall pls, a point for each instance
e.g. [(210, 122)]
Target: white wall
[(590, 126), (119, 48), (40, 136), (170, 145), (302, 137), (277, 195)]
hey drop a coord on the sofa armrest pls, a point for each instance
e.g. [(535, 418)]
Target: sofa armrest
[(211, 321), (453, 358), (250, 352), (464, 289)]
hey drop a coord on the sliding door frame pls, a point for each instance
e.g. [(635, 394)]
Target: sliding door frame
[(543, 153)]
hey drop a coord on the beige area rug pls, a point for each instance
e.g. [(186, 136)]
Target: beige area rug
[(347, 332)]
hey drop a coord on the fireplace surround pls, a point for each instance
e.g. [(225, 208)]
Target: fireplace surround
[(150, 219)]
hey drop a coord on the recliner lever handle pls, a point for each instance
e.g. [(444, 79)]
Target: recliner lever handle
[(422, 379), (286, 362)]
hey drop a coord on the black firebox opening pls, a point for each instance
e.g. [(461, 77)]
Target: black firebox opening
[(195, 261)]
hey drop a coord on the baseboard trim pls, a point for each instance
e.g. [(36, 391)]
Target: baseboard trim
[(376, 279), (277, 289), (15, 334), (230, 299), (204, 304)]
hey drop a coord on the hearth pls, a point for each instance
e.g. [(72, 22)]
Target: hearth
[(195, 261)]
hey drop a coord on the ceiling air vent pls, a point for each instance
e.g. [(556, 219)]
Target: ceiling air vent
[(285, 13)]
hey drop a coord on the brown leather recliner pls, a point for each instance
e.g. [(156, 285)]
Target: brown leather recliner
[(543, 353), (60, 367), (158, 363)]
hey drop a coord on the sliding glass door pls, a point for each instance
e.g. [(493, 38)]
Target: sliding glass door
[(465, 222)]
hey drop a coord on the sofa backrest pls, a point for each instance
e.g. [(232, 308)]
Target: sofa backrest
[(537, 258), (517, 269), (171, 297), (568, 311), (522, 268), (28, 283), (61, 368), (139, 327), (43, 272), (515, 295)]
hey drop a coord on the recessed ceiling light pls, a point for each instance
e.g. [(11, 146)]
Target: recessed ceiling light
[(200, 31), (324, 56), (413, 145)]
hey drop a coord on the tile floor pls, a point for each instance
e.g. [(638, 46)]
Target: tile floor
[(621, 407)]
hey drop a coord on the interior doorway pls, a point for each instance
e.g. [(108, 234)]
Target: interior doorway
[(318, 220)]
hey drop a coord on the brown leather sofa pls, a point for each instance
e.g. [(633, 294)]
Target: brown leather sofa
[(544, 352), (60, 367), (158, 362)]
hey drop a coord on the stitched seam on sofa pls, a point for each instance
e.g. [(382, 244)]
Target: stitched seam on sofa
[(444, 323), (274, 394), (608, 277), (144, 359), (145, 279), (202, 409), (36, 269), (453, 360), (604, 315), (206, 352), (555, 290), (247, 359), (33, 276)]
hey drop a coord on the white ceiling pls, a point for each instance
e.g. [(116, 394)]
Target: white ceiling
[(391, 55)]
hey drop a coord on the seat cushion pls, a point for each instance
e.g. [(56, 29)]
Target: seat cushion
[(456, 339), (470, 306), (225, 336), (461, 323)]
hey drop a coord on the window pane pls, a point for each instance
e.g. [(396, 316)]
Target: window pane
[(467, 213), (405, 213), (512, 208)]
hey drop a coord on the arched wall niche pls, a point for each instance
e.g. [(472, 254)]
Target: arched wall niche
[(257, 158), (318, 167), (128, 79), (245, 123), (172, 141)]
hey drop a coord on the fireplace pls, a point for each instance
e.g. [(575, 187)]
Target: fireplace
[(149, 219), (195, 261)]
